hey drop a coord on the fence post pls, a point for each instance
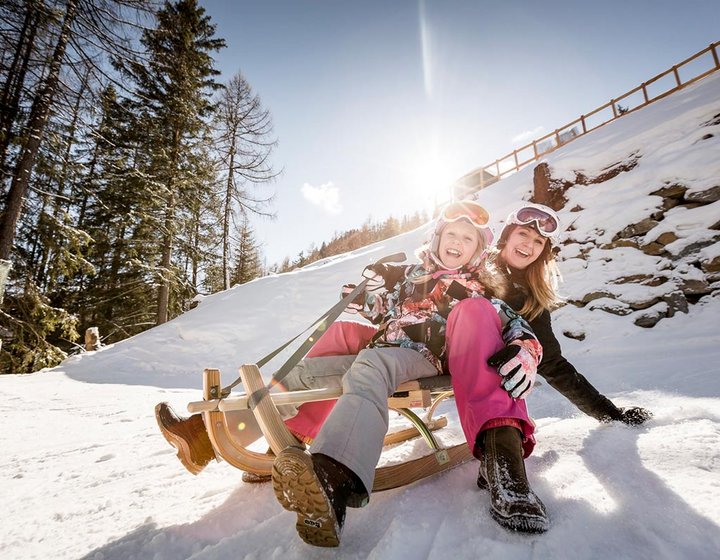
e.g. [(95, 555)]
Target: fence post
[(715, 55), (677, 76), (92, 339)]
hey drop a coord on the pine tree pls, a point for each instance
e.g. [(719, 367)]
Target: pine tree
[(247, 256), (173, 93)]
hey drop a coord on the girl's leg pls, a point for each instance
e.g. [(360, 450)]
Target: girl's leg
[(354, 432), (473, 335), (339, 473), (342, 338)]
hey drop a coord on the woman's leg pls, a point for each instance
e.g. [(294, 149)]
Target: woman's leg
[(473, 335), (496, 426)]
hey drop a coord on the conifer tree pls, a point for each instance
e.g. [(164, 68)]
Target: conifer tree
[(248, 259), (173, 93)]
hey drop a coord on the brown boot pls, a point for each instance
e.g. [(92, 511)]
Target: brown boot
[(319, 490), (502, 470), (255, 478), (187, 435)]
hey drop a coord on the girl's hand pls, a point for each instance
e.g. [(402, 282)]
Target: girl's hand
[(518, 368)]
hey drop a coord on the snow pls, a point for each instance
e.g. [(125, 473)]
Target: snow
[(86, 474)]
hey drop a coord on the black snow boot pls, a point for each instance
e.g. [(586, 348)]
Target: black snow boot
[(319, 490), (502, 470)]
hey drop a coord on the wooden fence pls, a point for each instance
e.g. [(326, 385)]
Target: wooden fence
[(690, 70)]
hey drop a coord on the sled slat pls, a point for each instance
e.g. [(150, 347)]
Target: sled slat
[(222, 439), (266, 413)]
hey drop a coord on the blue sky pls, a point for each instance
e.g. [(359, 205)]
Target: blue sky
[(379, 105)]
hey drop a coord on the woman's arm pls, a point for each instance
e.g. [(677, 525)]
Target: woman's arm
[(563, 377)]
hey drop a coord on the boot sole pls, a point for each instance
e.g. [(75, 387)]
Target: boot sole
[(299, 490), (521, 523), (183, 449), (254, 478)]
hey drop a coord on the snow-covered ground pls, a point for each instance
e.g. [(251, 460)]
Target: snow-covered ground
[(85, 472)]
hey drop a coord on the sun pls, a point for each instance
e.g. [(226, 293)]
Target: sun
[(430, 177)]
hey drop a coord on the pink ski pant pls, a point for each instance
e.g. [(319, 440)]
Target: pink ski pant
[(472, 336)]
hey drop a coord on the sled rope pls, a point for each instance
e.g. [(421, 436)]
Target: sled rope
[(320, 325)]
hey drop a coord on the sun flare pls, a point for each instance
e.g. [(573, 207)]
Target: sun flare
[(430, 180)]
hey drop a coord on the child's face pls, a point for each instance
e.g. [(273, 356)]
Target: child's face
[(458, 243)]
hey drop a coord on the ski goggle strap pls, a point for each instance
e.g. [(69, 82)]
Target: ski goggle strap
[(466, 209), (546, 221)]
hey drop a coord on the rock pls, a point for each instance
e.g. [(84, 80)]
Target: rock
[(653, 249), (711, 265), (587, 298), (671, 191), (707, 196), (575, 335), (640, 305), (667, 238), (676, 301), (609, 305), (695, 287), (640, 228), (650, 317)]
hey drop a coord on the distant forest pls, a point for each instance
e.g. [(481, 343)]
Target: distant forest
[(129, 175), (354, 239)]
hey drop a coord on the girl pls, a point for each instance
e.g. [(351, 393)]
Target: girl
[(441, 314)]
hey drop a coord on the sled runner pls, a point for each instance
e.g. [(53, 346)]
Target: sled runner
[(233, 423)]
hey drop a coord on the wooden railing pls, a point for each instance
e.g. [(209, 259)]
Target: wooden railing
[(699, 65)]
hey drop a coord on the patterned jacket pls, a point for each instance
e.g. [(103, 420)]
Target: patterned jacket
[(412, 311)]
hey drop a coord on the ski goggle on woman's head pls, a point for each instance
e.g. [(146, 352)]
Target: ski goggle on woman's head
[(544, 219)]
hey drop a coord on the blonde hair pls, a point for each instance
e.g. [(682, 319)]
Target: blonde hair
[(542, 278)]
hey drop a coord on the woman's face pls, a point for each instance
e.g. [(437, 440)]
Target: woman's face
[(523, 247), (458, 243)]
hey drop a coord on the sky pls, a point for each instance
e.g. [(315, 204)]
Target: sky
[(86, 474), (379, 106)]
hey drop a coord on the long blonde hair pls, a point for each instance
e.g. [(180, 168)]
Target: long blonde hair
[(542, 277)]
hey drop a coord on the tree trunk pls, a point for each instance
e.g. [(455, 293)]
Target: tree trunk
[(165, 264), (227, 217), (36, 129), (15, 80)]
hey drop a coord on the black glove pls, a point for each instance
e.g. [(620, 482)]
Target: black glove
[(376, 277), (356, 305), (634, 416)]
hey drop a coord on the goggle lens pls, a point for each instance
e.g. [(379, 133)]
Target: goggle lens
[(546, 223), (470, 210)]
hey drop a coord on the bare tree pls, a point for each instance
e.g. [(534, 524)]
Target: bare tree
[(246, 144)]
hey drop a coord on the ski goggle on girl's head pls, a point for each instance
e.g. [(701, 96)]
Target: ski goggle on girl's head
[(543, 218), (467, 209)]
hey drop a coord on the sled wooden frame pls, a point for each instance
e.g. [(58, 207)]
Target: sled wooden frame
[(424, 393)]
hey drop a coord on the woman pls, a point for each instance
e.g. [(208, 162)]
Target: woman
[(526, 257)]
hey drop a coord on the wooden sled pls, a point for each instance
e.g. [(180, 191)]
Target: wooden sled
[(229, 438)]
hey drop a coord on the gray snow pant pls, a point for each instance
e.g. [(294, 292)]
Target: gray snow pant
[(354, 432), (314, 373)]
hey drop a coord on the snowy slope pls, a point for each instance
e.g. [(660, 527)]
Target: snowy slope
[(86, 474)]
